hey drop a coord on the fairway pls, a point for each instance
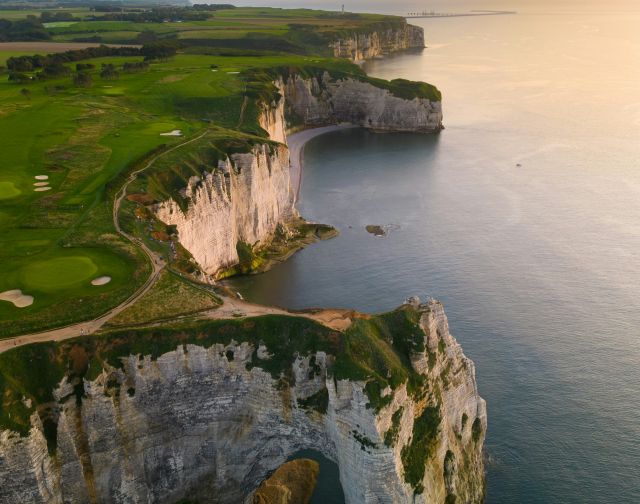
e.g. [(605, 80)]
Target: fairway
[(58, 273), (68, 143), (8, 190)]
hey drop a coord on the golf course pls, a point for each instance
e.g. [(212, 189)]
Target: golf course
[(78, 118)]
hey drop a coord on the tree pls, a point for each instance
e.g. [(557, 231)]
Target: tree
[(109, 72), (82, 79), (19, 78), (146, 37), (160, 51)]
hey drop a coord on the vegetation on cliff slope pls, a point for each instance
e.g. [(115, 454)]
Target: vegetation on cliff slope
[(372, 350), (74, 123)]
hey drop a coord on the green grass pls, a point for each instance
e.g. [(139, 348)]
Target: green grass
[(87, 139), (8, 190), (58, 273), (415, 454), (169, 298), (391, 436)]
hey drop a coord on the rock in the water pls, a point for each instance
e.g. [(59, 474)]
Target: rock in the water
[(376, 230), (292, 483)]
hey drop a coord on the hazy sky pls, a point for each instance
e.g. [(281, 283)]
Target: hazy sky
[(404, 6)]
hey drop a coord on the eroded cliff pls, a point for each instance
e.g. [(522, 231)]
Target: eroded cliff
[(244, 201), (241, 202), (207, 412), (323, 99), (362, 46)]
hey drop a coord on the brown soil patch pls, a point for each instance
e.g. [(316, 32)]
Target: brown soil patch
[(143, 199), (160, 236), (292, 483)]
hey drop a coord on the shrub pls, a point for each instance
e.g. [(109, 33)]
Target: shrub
[(415, 454)]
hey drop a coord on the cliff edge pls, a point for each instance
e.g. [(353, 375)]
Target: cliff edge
[(208, 411), (234, 210)]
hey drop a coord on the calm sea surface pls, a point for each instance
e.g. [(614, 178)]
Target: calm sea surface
[(523, 217)]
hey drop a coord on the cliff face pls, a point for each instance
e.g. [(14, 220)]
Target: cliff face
[(209, 423), (363, 46), (242, 200), (247, 196), (318, 102)]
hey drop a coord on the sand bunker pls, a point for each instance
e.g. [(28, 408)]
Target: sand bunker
[(16, 297), (103, 280), (172, 133), (40, 189), (41, 184), (41, 177)]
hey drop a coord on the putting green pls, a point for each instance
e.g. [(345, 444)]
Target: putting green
[(8, 190), (58, 273)]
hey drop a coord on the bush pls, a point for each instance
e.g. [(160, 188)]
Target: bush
[(82, 79), (414, 455), (476, 429)]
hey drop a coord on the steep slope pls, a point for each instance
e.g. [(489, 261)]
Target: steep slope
[(372, 44), (207, 412), (242, 201)]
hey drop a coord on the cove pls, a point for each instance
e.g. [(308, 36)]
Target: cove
[(521, 216)]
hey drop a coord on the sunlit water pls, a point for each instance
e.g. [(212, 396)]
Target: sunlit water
[(523, 217)]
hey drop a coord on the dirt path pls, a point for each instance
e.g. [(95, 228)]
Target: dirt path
[(232, 307), (157, 263)]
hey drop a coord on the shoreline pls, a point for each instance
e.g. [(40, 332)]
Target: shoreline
[(296, 143)]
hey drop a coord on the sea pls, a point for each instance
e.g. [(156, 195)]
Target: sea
[(523, 218)]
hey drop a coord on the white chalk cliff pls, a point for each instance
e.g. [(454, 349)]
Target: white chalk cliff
[(320, 101), (209, 424), (243, 199), (248, 195), (362, 46)]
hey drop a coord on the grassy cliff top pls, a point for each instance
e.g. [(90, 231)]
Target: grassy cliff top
[(302, 31), (376, 350), (75, 124)]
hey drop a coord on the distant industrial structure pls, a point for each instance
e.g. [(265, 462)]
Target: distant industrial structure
[(434, 14)]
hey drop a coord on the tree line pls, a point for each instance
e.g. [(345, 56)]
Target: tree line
[(54, 65), (29, 29)]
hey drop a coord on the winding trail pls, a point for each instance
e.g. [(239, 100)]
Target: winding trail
[(231, 307), (157, 264)]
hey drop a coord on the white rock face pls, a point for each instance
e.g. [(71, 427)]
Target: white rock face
[(246, 197), (330, 101), (242, 200), (362, 46), (197, 424)]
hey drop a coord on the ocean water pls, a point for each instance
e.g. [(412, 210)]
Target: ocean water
[(523, 217)]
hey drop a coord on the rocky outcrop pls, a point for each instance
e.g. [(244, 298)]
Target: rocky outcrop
[(292, 483), (362, 46), (247, 197), (320, 101), (211, 422), (242, 200)]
